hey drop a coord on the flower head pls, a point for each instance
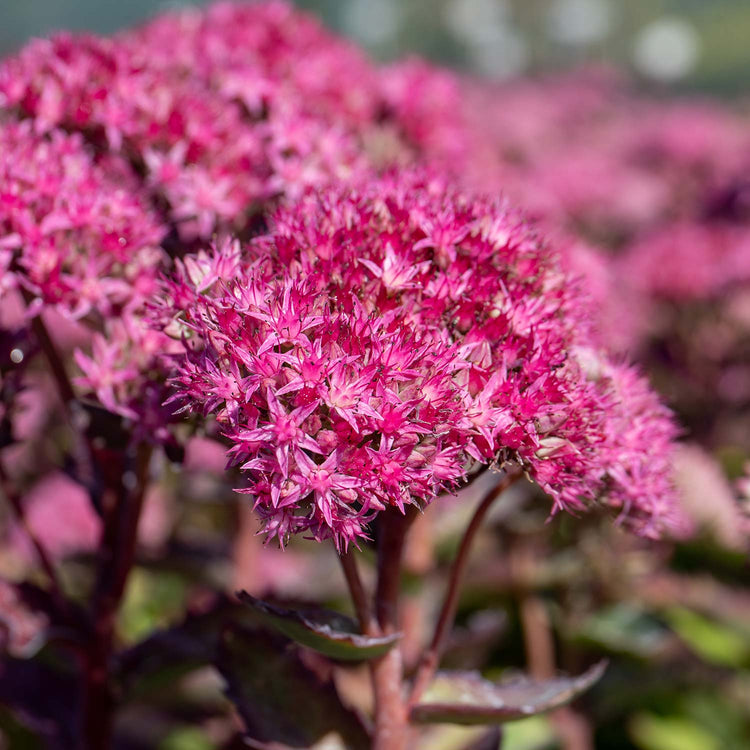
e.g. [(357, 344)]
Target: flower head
[(357, 360)]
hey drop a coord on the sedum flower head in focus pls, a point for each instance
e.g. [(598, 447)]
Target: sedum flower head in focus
[(381, 343)]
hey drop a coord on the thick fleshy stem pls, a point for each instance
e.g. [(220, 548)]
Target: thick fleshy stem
[(118, 543), (391, 719), (431, 657)]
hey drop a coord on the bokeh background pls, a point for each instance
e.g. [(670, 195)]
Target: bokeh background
[(699, 45)]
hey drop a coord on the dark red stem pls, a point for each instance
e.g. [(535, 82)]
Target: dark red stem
[(431, 657), (118, 554), (41, 552), (357, 591), (391, 719)]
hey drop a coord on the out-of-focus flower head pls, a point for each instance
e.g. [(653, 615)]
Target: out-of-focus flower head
[(82, 239), (381, 341), (224, 108), (688, 261), (53, 498), (426, 104), (77, 231)]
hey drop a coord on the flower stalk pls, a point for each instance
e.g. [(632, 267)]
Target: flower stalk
[(431, 657), (391, 718), (118, 547)]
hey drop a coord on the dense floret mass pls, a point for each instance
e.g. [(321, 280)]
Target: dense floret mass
[(382, 342), (78, 230), (223, 109), (80, 236), (389, 334)]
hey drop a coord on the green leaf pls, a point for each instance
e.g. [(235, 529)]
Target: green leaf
[(279, 698), (152, 600), (330, 633), (187, 738), (651, 732), (714, 642), (467, 698), (529, 734)]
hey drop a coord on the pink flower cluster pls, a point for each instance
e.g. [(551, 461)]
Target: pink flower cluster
[(624, 172), (223, 109), (389, 332), (77, 230), (380, 342), (79, 235)]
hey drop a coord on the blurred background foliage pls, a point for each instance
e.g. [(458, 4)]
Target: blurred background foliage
[(698, 45)]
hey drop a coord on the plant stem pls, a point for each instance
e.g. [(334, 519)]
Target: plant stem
[(83, 451), (41, 552), (431, 657), (119, 542), (357, 591), (573, 729), (391, 720)]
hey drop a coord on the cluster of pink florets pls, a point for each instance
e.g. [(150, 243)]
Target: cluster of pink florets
[(382, 342), (79, 235), (389, 334), (627, 173), (223, 109), (78, 230), (113, 148)]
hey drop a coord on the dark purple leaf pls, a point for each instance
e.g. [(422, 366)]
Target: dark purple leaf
[(166, 653), (279, 698), (44, 698)]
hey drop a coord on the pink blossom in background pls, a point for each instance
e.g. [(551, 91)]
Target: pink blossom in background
[(204, 454), (225, 108), (157, 517), (60, 514), (708, 496), (689, 261), (425, 103), (82, 231)]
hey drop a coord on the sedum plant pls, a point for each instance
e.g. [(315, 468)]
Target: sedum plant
[(382, 345), (227, 236)]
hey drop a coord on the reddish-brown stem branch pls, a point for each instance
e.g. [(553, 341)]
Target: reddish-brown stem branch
[(357, 592), (391, 720), (83, 452), (44, 559), (431, 657), (119, 543), (392, 529)]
